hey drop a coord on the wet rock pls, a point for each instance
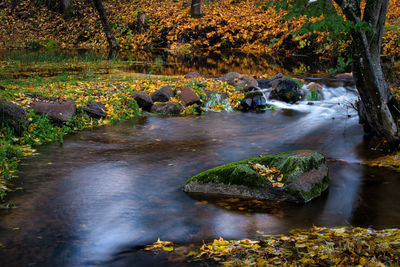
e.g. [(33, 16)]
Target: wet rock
[(286, 90), (96, 110), (315, 86), (163, 94), (143, 100), (58, 109), (192, 74), (272, 82), (167, 108), (13, 116), (211, 94), (305, 176), (187, 96), (314, 92), (254, 100)]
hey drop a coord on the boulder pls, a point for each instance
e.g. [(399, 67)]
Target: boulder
[(163, 94), (253, 100), (245, 81), (13, 116), (167, 108), (58, 109), (143, 100), (286, 90), (230, 77), (192, 74), (96, 110), (315, 86), (187, 96), (304, 173), (272, 82)]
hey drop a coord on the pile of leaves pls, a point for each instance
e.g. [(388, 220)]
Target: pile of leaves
[(273, 175), (226, 24), (317, 246)]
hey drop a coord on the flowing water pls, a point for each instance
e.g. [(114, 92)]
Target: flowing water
[(105, 192)]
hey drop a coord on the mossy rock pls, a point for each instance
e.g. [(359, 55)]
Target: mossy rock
[(305, 176)]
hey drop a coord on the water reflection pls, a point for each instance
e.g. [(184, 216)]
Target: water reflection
[(114, 188)]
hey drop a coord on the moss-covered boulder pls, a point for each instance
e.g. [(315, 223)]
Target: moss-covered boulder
[(296, 176)]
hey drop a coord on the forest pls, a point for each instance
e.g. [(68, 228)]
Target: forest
[(199, 132)]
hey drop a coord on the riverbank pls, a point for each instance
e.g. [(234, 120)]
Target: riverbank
[(318, 246)]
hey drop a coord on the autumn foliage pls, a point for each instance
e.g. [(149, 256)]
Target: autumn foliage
[(226, 24)]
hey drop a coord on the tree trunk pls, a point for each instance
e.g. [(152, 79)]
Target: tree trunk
[(65, 5), (379, 106), (141, 22), (195, 9), (113, 46)]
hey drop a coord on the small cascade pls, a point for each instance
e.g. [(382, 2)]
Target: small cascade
[(217, 103)]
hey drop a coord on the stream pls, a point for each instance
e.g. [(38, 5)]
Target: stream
[(95, 199)]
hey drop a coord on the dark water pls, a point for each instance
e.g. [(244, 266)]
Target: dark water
[(106, 191)]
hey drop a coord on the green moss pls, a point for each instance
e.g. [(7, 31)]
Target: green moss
[(240, 173)]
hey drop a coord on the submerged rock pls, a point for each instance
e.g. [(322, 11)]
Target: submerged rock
[(58, 109), (304, 176), (13, 116)]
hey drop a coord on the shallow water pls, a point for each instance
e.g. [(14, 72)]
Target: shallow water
[(104, 192)]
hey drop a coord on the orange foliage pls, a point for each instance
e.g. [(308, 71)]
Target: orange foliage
[(225, 25)]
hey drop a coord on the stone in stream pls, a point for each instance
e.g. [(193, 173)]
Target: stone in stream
[(58, 109), (286, 90), (305, 176), (13, 116), (253, 100), (187, 96), (96, 110), (163, 94), (167, 108), (143, 100)]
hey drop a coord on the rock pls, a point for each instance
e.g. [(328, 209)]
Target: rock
[(315, 86), (314, 92), (272, 82), (187, 96), (143, 100), (167, 108), (286, 90), (305, 176), (245, 81), (58, 109), (253, 100), (13, 116), (230, 77), (96, 110), (163, 94), (192, 74)]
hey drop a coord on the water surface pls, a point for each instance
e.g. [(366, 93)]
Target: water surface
[(105, 191)]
